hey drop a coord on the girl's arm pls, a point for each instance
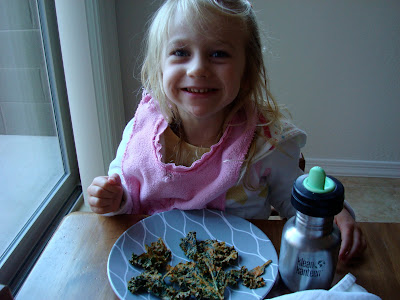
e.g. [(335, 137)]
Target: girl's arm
[(353, 241), (284, 171), (284, 164), (126, 206)]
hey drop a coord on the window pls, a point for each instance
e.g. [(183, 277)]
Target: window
[(38, 168)]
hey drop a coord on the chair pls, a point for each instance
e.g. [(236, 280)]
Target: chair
[(5, 293)]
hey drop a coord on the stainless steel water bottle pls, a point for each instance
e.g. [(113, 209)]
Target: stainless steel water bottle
[(310, 240)]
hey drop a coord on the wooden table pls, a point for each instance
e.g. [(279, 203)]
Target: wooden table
[(74, 263)]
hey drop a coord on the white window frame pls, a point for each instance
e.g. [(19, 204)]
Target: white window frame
[(89, 45)]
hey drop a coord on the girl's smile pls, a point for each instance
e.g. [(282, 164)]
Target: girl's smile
[(198, 92)]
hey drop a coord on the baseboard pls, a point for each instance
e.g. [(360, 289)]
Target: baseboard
[(358, 168)]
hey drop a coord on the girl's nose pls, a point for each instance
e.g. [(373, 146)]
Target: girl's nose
[(198, 67)]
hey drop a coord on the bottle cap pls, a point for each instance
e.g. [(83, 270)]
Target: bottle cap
[(317, 194), (317, 182)]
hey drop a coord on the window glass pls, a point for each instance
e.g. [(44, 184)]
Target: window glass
[(31, 162), (35, 143)]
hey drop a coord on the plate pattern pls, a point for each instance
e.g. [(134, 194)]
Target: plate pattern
[(253, 246)]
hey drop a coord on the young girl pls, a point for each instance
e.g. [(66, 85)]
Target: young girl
[(207, 133)]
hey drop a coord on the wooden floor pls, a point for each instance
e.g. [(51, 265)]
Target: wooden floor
[(373, 199)]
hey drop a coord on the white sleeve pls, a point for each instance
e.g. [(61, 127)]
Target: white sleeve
[(347, 206), (116, 167), (284, 164)]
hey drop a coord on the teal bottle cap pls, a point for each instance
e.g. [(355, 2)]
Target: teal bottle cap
[(318, 182)]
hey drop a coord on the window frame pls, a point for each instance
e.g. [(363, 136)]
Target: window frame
[(90, 52)]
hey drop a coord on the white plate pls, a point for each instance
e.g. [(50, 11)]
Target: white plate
[(253, 246)]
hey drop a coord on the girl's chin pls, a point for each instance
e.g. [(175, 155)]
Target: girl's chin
[(201, 114)]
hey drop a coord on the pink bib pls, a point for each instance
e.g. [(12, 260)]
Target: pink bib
[(155, 186)]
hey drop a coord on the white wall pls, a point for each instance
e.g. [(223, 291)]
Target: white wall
[(334, 63), (132, 16)]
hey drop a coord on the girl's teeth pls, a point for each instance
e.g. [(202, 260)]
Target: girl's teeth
[(198, 90)]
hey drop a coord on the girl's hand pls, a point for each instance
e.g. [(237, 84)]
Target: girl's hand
[(353, 241), (105, 194)]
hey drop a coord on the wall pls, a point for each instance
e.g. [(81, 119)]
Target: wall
[(335, 64), (131, 23)]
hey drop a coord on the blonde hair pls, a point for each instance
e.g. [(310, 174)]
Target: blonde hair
[(254, 96)]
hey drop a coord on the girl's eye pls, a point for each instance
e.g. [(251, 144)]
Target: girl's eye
[(180, 52), (219, 54)]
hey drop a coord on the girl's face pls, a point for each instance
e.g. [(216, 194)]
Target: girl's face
[(203, 70)]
